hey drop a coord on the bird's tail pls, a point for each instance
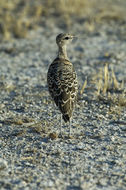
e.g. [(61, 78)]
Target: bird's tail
[(66, 117)]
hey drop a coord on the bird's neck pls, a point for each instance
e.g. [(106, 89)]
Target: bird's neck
[(62, 53)]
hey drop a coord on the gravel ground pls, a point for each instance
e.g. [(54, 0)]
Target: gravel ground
[(33, 156)]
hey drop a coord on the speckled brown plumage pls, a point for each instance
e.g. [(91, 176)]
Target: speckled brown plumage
[(62, 81)]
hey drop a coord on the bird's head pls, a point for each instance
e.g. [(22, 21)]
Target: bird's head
[(64, 39)]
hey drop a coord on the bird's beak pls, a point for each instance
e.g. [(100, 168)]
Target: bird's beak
[(74, 37)]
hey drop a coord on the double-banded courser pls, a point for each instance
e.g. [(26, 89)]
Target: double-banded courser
[(62, 79)]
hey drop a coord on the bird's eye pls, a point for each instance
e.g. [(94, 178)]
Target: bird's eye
[(66, 38)]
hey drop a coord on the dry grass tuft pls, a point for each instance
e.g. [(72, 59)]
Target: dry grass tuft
[(17, 17), (109, 90), (106, 81), (83, 87)]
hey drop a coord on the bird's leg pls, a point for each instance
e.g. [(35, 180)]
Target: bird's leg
[(70, 128), (61, 125)]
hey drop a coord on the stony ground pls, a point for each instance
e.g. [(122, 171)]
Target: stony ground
[(33, 156)]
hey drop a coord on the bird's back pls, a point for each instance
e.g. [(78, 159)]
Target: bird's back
[(62, 84)]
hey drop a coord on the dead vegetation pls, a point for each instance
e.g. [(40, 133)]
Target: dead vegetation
[(109, 90), (17, 17), (107, 82)]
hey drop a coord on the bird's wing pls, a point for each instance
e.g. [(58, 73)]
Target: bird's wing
[(62, 83)]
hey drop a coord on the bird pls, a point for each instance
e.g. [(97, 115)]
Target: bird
[(62, 80)]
